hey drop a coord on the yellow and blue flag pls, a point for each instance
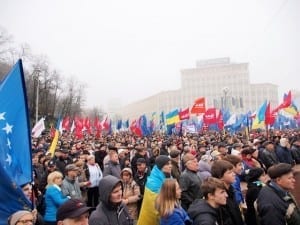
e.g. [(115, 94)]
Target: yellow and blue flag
[(148, 214)]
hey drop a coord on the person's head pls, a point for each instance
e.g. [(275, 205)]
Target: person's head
[(283, 175), (255, 174), (73, 212), (141, 164), (110, 190), (91, 160), (190, 162), (21, 217), (71, 171), (284, 142), (27, 190), (168, 197), (163, 163), (175, 155), (236, 162), (54, 178), (214, 192), (223, 170), (113, 156), (222, 148), (126, 175), (269, 146)]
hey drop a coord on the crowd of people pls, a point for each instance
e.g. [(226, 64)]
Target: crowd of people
[(189, 179)]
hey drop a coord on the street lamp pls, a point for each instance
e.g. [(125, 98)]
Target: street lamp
[(36, 74), (225, 91)]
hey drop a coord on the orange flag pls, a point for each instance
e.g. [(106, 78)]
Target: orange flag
[(199, 106)]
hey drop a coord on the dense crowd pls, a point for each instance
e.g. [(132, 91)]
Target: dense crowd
[(160, 179)]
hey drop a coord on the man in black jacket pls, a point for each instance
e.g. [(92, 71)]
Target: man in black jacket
[(275, 204)]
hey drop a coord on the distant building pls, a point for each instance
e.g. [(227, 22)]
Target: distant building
[(222, 83)]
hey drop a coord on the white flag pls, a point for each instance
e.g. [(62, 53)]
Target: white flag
[(38, 128)]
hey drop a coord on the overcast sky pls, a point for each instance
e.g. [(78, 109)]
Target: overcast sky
[(130, 50)]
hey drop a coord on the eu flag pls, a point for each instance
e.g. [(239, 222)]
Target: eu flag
[(15, 144)]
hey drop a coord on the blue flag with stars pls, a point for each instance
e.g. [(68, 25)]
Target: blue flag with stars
[(15, 142)]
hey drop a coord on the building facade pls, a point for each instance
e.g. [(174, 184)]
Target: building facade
[(222, 83)]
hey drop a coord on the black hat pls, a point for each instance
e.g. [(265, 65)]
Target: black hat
[(64, 150), (253, 174), (71, 209), (174, 153), (140, 161), (279, 169), (51, 163), (161, 160)]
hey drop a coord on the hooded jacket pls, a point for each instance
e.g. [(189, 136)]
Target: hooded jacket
[(107, 213), (202, 213)]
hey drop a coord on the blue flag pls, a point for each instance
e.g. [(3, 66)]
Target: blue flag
[(15, 141)]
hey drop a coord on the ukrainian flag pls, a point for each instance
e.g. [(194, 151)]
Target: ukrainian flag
[(259, 121), (172, 117), (148, 214), (292, 109)]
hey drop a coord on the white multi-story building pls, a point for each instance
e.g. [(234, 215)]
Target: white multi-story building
[(222, 83)]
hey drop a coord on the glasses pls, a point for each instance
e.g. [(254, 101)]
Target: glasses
[(26, 221)]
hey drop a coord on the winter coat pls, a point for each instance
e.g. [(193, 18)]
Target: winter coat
[(190, 184), (107, 213), (202, 213), (230, 213), (204, 170), (178, 217), (131, 191), (112, 168), (272, 205), (253, 189), (53, 199)]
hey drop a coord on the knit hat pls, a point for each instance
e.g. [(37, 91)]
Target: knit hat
[(253, 174), (161, 160), (279, 170), (14, 218), (71, 209)]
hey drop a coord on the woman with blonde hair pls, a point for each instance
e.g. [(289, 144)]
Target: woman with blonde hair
[(53, 197), (168, 206)]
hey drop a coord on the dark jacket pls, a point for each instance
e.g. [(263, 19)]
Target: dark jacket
[(296, 153), (175, 170), (284, 155), (202, 213), (230, 213), (190, 184), (272, 205), (253, 189), (107, 213)]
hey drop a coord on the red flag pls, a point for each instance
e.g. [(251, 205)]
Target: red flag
[(270, 115), (184, 114), (98, 127), (220, 120), (134, 127), (66, 123), (87, 125), (199, 106), (78, 127), (287, 101), (210, 116)]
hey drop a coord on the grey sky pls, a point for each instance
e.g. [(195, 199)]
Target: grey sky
[(133, 49)]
